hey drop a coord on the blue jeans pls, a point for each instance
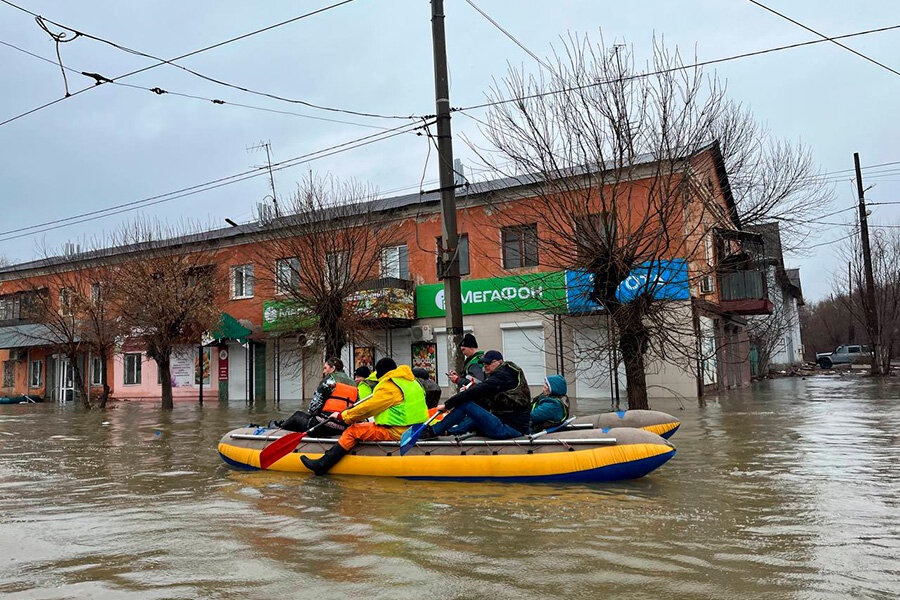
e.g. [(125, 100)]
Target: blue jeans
[(482, 420)]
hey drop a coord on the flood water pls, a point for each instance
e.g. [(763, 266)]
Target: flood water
[(788, 490)]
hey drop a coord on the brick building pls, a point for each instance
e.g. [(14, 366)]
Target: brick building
[(510, 299)]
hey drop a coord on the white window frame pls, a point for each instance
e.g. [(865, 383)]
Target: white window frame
[(9, 374), (337, 265), (137, 359), (40, 374), (97, 371), (392, 261), (246, 274), (287, 275)]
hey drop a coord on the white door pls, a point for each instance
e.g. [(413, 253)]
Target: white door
[(523, 344), (594, 377), (400, 347), (65, 383), (290, 369), (237, 373), (708, 359)]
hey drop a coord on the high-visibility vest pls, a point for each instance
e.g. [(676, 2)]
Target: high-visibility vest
[(342, 397), (409, 412), (367, 386)]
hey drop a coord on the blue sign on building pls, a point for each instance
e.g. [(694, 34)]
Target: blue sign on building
[(662, 279)]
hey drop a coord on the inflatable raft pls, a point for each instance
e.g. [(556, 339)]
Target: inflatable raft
[(660, 423), (585, 455)]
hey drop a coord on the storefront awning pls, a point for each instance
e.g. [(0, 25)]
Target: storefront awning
[(25, 336), (231, 329)]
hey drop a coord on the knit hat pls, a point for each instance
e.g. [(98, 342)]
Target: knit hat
[(383, 366), (421, 373), (362, 371), (490, 356), (468, 341), (557, 385)]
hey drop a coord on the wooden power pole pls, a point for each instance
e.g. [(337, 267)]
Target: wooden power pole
[(450, 236), (871, 309)]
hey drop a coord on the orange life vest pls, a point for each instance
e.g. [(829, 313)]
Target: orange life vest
[(342, 397)]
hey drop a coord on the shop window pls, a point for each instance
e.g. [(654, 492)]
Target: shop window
[(395, 262), (242, 282), (463, 254), (287, 275), (520, 246), (97, 371), (36, 373), (132, 369), (9, 374)]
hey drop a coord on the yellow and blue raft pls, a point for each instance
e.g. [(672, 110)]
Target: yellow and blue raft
[(583, 455)]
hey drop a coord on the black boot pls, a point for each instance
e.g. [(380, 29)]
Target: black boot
[(427, 433), (329, 459), (275, 424)]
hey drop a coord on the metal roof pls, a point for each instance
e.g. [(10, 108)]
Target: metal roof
[(25, 336)]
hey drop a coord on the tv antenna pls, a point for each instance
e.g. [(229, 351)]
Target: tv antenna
[(268, 146)]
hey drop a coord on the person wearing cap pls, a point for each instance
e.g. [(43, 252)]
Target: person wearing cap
[(498, 407), (473, 370), (551, 408), (397, 402), (365, 381)]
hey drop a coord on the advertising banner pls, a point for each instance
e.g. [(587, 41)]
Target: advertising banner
[(223, 363), (662, 279), (518, 293)]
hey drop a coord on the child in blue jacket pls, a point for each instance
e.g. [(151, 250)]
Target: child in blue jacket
[(551, 408)]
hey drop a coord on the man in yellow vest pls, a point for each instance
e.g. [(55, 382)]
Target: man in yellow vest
[(397, 402)]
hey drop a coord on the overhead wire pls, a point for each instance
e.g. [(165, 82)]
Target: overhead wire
[(171, 62), (509, 35), (217, 101), (670, 69), (206, 186), (826, 38)]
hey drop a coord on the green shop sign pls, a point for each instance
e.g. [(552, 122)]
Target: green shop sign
[(284, 315), (519, 293)]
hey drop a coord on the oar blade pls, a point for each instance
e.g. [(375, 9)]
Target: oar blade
[(279, 449), (410, 437)]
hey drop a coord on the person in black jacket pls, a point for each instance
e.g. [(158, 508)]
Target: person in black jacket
[(499, 407)]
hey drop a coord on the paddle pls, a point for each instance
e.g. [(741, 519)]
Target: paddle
[(286, 443), (411, 435), (552, 429)]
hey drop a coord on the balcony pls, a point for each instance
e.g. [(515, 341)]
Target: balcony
[(744, 293)]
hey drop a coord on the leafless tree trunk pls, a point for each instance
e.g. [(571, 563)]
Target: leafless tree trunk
[(165, 297), (631, 172), (315, 256)]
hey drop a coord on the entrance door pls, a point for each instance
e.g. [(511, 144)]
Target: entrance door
[(65, 381), (594, 377), (237, 373)]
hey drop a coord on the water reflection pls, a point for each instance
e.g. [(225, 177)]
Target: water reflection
[(785, 490)]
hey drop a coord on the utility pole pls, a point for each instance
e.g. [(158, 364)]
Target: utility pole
[(450, 236), (871, 309)]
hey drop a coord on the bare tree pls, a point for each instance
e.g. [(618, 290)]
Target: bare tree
[(826, 325), (885, 247), (628, 176), (316, 255), (165, 295)]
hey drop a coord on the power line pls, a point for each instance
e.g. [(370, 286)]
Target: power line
[(670, 69), (828, 243), (826, 38), (206, 186), (193, 53), (217, 101), (509, 35)]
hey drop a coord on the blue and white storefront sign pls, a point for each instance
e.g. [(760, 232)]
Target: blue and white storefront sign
[(661, 279)]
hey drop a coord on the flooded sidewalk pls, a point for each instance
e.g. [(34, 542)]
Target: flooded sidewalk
[(784, 490)]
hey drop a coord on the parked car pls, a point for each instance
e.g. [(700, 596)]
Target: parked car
[(844, 355)]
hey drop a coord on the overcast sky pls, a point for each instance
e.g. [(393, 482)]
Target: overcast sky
[(113, 144)]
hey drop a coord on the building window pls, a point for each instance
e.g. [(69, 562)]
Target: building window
[(10, 308), (65, 301), (287, 275), (132, 369), (592, 232), (97, 371), (520, 246), (36, 374), (395, 262), (242, 282), (463, 254), (95, 293), (337, 268)]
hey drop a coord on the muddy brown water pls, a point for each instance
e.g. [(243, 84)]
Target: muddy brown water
[(788, 490)]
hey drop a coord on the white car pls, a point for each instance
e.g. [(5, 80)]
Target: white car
[(844, 355)]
